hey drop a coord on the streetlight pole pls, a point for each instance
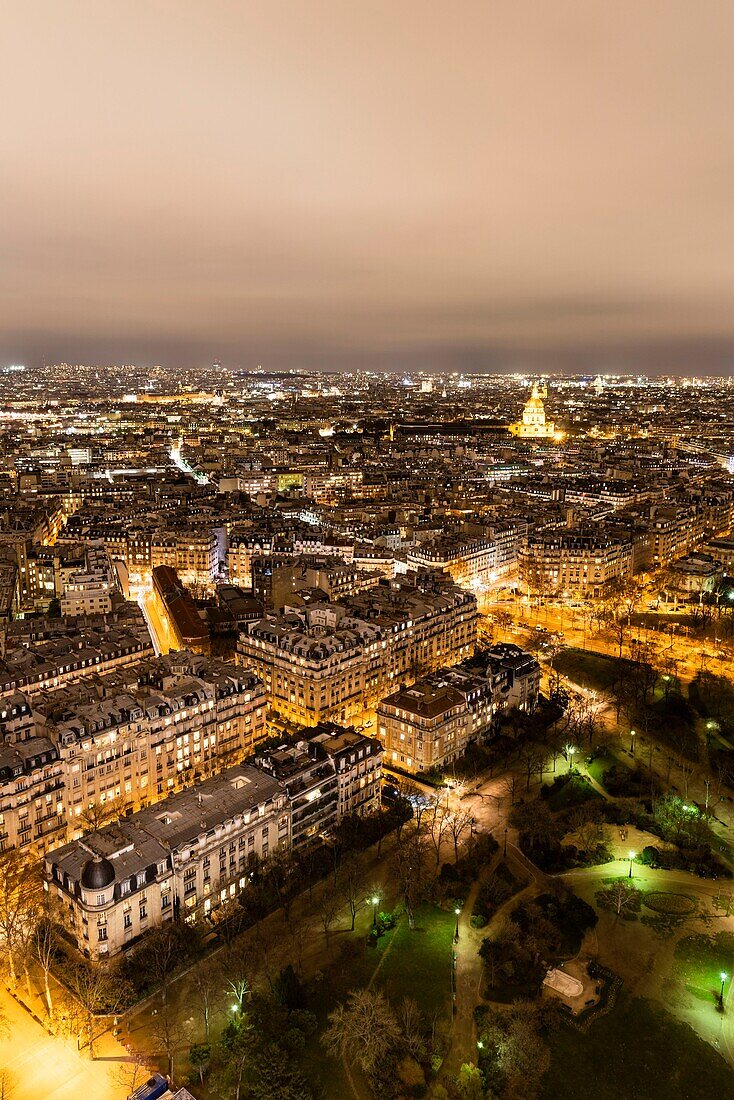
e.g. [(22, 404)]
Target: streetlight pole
[(505, 851), (632, 856), (456, 930), (632, 742), (723, 977), (375, 902)]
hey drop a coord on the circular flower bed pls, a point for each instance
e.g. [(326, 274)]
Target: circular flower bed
[(660, 901)]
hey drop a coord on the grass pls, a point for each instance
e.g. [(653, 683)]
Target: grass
[(661, 901), (699, 961), (404, 963), (635, 1052), (601, 764), (418, 964), (573, 793), (353, 965), (592, 670)]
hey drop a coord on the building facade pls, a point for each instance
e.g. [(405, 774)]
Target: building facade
[(182, 858), (335, 661), (128, 740)]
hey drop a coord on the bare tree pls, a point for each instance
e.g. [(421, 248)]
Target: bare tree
[(509, 787), (298, 936), (413, 1027), (364, 1031), (206, 988), (98, 814), (132, 1072), (459, 822), (329, 908), (236, 972), (353, 886), (170, 1036), (44, 945), (621, 897), (97, 990), (437, 820), (532, 757), (231, 920), (409, 861), (20, 905), (163, 947)]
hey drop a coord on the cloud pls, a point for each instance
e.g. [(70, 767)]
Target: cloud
[(375, 183)]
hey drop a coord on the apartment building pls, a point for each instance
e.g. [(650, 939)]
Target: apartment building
[(723, 551), (515, 677), (131, 738), (179, 859), (31, 795), (470, 561), (572, 563), (42, 654), (178, 719), (194, 554), (674, 531), (430, 724), (92, 589), (311, 784), (334, 661), (326, 487), (357, 761)]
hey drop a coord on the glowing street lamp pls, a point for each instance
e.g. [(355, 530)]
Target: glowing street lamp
[(456, 930), (723, 975), (632, 856), (375, 902), (571, 752), (632, 742)]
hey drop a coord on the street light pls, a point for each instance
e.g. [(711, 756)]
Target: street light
[(632, 742), (571, 751), (632, 856), (456, 930), (375, 902), (723, 975)]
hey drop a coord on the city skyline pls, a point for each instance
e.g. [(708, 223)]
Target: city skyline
[(524, 189)]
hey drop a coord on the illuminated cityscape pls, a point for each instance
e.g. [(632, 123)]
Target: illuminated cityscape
[(367, 552)]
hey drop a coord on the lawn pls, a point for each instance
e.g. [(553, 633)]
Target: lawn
[(575, 791), (591, 670), (636, 1052), (352, 968), (699, 961), (418, 964), (404, 963), (600, 764)]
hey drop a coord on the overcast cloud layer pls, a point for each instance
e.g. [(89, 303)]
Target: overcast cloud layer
[(463, 184)]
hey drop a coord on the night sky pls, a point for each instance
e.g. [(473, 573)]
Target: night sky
[(463, 185)]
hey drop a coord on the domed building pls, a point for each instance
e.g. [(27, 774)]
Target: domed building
[(97, 874), (534, 424)]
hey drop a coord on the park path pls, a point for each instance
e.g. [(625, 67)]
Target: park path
[(469, 965)]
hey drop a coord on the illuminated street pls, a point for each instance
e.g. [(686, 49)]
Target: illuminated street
[(40, 1065)]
